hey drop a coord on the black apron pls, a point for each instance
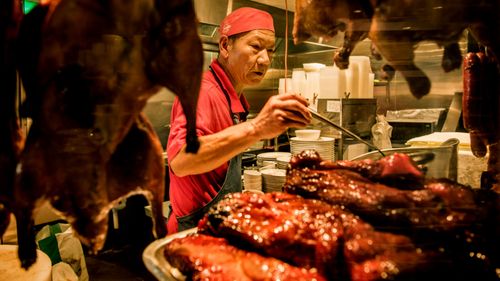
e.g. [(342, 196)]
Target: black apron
[(232, 182)]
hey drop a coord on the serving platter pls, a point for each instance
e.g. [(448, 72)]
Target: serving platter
[(155, 261)]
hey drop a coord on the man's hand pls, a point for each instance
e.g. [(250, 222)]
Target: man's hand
[(279, 113)]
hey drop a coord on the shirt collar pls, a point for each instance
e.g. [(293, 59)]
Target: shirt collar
[(239, 104)]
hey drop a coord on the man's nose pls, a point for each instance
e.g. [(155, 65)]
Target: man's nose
[(264, 58)]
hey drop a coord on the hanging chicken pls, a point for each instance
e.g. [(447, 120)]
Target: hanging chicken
[(11, 138), (88, 70), (396, 27)]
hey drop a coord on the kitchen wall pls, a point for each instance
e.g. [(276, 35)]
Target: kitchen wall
[(427, 56)]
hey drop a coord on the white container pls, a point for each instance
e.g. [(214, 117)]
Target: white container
[(311, 67)]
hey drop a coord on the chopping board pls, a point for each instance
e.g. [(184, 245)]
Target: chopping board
[(10, 266)]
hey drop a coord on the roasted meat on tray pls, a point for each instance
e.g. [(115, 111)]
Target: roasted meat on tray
[(88, 68), (441, 213), (302, 232), (345, 223), (313, 234), (202, 257)]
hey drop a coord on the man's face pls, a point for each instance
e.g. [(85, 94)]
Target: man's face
[(250, 56)]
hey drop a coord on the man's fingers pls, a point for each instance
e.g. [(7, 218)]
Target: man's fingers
[(296, 97), (296, 107)]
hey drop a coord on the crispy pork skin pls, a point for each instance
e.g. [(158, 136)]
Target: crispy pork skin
[(88, 70), (202, 257)]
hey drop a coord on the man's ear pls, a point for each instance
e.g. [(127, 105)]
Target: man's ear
[(224, 46)]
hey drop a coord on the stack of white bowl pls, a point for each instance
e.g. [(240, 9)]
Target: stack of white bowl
[(282, 162), (325, 146), (273, 180), (268, 157), (252, 180), (310, 139)]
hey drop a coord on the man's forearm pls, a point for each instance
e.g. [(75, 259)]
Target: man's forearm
[(215, 150)]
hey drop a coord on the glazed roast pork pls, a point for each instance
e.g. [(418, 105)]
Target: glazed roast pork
[(441, 213), (88, 68), (439, 204), (202, 257), (313, 234), (346, 224), (302, 232)]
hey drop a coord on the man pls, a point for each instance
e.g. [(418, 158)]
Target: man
[(198, 181)]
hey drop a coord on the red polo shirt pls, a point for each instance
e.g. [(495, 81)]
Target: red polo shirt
[(190, 193)]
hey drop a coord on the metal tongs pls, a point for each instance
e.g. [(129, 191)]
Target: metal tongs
[(325, 120)]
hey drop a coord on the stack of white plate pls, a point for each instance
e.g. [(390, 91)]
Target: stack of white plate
[(273, 180), (325, 146), (252, 180), (282, 162), (270, 156)]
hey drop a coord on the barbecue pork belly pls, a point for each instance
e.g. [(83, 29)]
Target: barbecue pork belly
[(302, 232), (442, 214), (441, 205), (310, 233), (202, 257)]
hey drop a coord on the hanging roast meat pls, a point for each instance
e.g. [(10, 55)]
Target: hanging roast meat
[(11, 138), (396, 27), (89, 68), (480, 102)]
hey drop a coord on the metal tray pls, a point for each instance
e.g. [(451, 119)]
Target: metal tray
[(443, 165), (155, 261)]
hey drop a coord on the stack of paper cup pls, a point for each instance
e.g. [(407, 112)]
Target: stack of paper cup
[(312, 88), (352, 80), (361, 65), (252, 180), (332, 83), (285, 86), (371, 78), (299, 81)]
